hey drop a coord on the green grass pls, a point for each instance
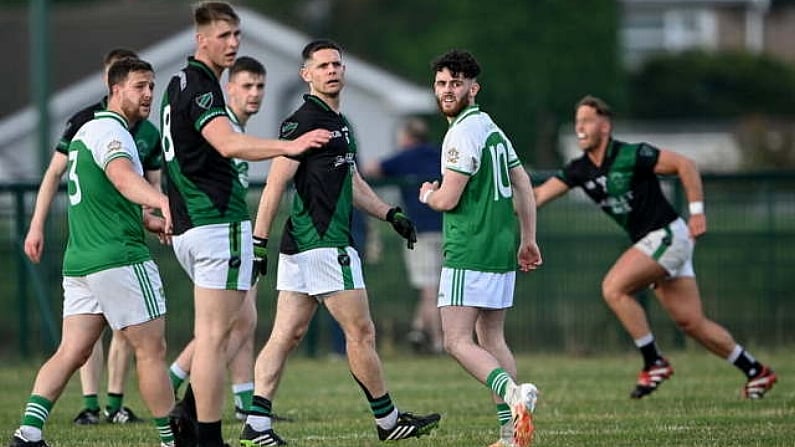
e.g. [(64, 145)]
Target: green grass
[(584, 402)]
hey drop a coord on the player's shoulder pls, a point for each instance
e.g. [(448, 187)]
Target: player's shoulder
[(195, 77), (307, 117), (84, 115), (145, 128)]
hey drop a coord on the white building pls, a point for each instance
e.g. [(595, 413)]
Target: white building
[(373, 100)]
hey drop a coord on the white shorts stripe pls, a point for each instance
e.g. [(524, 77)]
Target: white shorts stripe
[(458, 287)]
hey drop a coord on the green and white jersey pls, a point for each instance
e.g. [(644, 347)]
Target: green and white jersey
[(481, 233), (105, 229), (240, 165)]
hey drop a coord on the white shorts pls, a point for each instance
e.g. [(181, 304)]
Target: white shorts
[(672, 248), (320, 271), (125, 296), (217, 256), (424, 263), (472, 288)]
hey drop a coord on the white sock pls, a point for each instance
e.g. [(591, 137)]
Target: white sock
[(258, 423), (179, 372), (645, 340), (30, 433), (389, 421)]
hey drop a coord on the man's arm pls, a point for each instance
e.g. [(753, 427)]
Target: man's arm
[(366, 199), (446, 196), (549, 190), (529, 255), (34, 241), (136, 189), (154, 176), (220, 134), (670, 163), (282, 170)]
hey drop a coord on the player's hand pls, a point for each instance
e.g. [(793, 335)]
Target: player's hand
[(156, 225), (260, 255), (312, 139), (529, 256), (697, 225), (34, 245), (402, 225)]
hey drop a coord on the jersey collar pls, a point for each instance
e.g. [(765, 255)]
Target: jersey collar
[(234, 118), (468, 111), (319, 102), (201, 66), (112, 115)]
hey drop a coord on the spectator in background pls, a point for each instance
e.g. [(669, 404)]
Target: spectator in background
[(417, 159)]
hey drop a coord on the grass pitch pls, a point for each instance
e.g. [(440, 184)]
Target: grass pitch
[(584, 402)]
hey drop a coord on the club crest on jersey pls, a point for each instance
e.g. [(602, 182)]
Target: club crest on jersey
[(288, 127), (346, 159), (114, 146), (205, 101), (453, 155)]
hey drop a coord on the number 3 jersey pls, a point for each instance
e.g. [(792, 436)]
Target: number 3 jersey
[(105, 229), (624, 186), (481, 232)]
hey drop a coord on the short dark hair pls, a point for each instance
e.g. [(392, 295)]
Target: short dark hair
[(246, 63), (459, 62), (416, 128), (205, 13), (116, 54), (118, 72), (598, 104), (317, 45)]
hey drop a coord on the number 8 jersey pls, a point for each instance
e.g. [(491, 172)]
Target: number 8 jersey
[(203, 186), (481, 233)]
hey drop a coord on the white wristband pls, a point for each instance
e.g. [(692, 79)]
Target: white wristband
[(696, 208), (426, 195)]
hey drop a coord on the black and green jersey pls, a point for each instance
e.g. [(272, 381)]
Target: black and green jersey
[(203, 186), (624, 186), (323, 204), (145, 134)]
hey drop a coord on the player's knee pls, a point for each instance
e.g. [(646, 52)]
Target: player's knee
[(690, 325), (74, 357), (612, 293), (360, 332), (150, 350)]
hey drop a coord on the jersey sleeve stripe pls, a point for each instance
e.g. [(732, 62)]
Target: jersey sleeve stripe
[(208, 116)]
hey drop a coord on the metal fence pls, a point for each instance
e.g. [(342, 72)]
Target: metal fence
[(744, 266)]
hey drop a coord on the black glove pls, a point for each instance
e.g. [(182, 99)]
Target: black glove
[(402, 225), (260, 255)]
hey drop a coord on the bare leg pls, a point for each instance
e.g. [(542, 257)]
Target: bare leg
[(351, 310), (632, 271), (91, 370), (119, 354), (148, 342), (294, 311), (215, 313), (458, 323), (431, 320), (80, 334), (681, 300), (490, 330)]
